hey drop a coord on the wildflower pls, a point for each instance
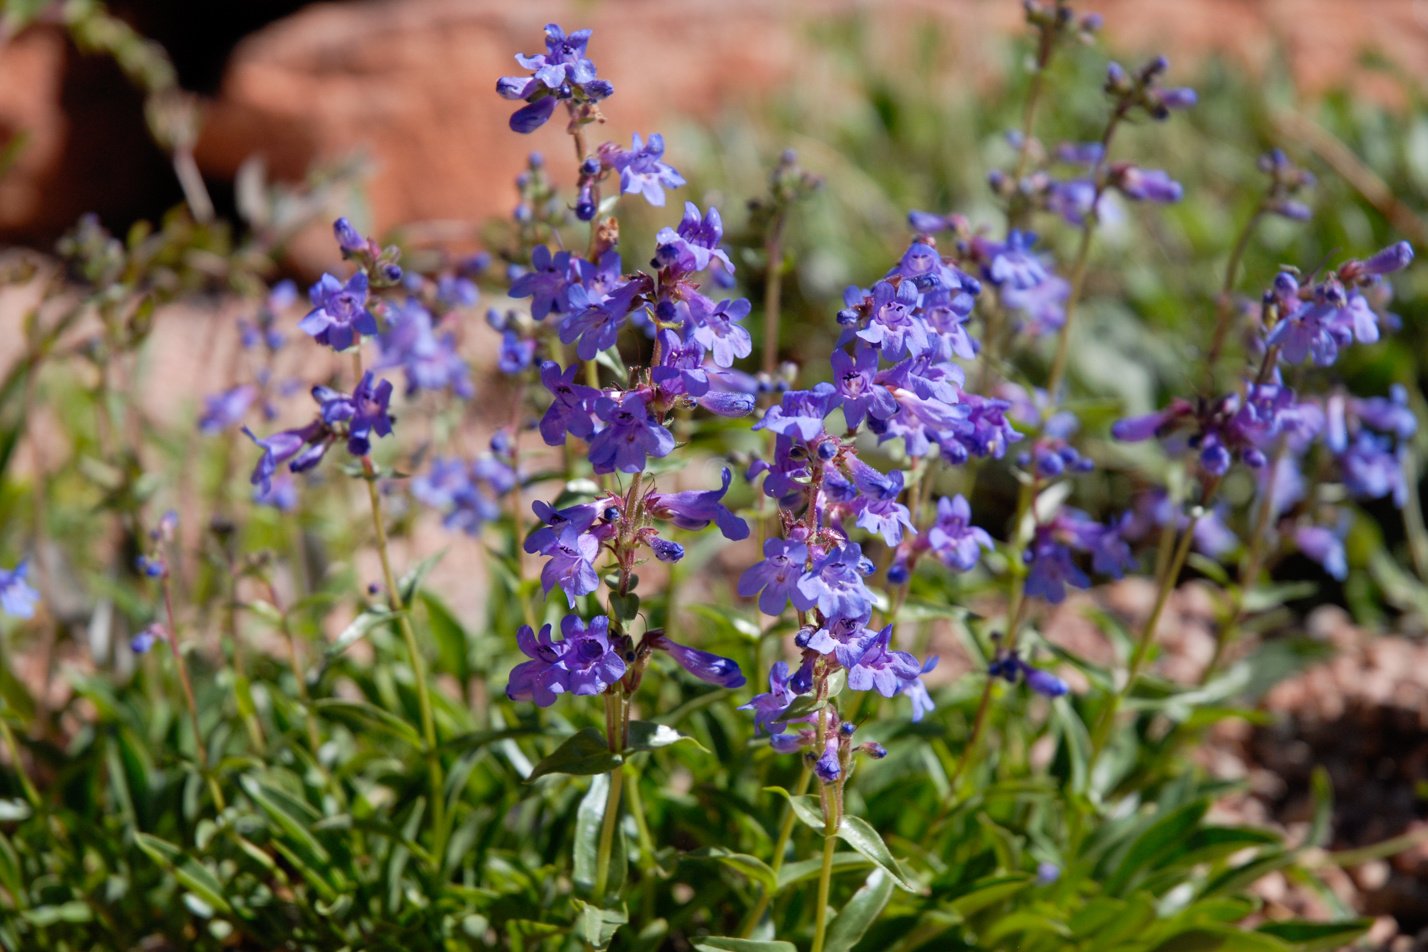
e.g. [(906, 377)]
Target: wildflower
[(642, 169), (17, 596), (339, 312), (768, 706), (573, 407), (695, 510), (223, 410), (694, 244), (561, 73), (429, 362), (835, 584), (775, 579), (952, 537), (630, 437), (364, 412), (547, 283), (704, 665)]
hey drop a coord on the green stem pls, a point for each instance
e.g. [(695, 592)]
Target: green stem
[(785, 831), (773, 288), (13, 747), (1102, 730), (614, 720), (182, 667), (825, 879), (414, 657)]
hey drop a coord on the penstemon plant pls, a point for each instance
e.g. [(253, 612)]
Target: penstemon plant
[(716, 565)]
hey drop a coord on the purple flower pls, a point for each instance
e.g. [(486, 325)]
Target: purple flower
[(893, 325), (828, 767), (694, 244), (891, 673), (956, 542), (835, 584), (641, 170), (1372, 468), (695, 510), (1012, 264), (1050, 568), (365, 412), (1325, 546), (1145, 185), (429, 362), (857, 394), (573, 406), (631, 435), (572, 563), (301, 449), (718, 329), (561, 73), (665, 550), (799, 413), (517, 353), (1043, 682), (543, 677), (592, 664), (465, 492), (707, 667), (223, 410), (145, 640), (547, 283), (339, 312), (847, 639), (17, 597), (768, 706), (775, 579)]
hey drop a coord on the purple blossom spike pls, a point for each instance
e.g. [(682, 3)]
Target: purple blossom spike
[(630, 437)]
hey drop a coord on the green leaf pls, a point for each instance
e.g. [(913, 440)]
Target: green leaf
[(793, 873), (598, 926), (988, 892), (647, 735), (860, 912), (583, 754), (859, 834), (410, 583), (449, 635), (364, 718), (626, 607), (1219, 939), (806, 807), (1316, 936), (195, 877), (1162, 838), (589, 817), (719, 943), (360, 627), (751, 867)]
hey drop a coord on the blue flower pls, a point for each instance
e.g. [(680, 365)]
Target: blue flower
[(775, 579), (572, 557), (642, 171), (799, 413), (835, 584), (694, 510), (365, 412), (223, 410), (562, 72), (891, 673), (769, 706), (630, 437), (857, 394), (573, 407), (429, 362), (339, 312), (547, 283), (707, 667), (542, 678), (694, 245), (953, 538), (17, 597), (718, 330)]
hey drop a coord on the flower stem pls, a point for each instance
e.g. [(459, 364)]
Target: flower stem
[(1102, 730), (785, 831), (825, 878), (187, 683), (614, 721), (428, 722), (773, 292), (13, 747)]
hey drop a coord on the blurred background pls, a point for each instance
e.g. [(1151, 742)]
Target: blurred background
[(280, 115)]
